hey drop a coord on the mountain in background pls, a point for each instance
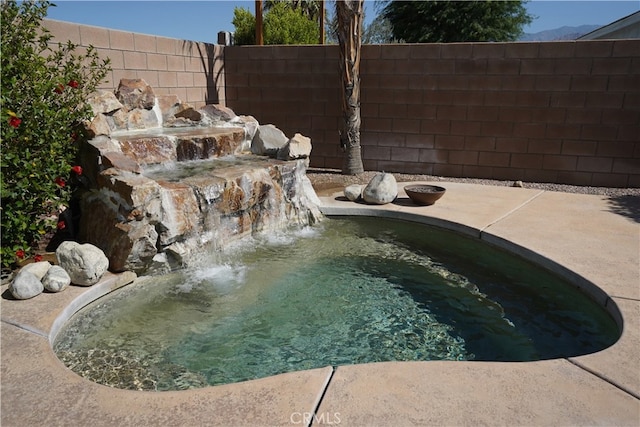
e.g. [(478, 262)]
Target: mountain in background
[(562, 33)]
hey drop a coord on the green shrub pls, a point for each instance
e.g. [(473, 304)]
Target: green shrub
[(282, 23), (42, 113)]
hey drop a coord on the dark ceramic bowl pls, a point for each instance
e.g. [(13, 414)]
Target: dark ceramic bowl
[(422, 194)]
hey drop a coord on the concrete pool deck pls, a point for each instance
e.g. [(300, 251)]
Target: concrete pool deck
[(592, 240)]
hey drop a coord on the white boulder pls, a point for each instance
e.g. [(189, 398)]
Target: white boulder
[(85, 263), (268, 140), (25, 285), (56, 279), (382, 189), (298, 147), (353, 192), (38, 269)]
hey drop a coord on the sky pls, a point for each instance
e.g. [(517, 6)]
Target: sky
[(202, 20)]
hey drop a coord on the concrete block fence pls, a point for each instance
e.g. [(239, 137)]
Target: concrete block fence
[(191, 70), (564, 112)]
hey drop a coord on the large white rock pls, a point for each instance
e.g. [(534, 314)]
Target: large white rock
[(85, 263), (353, 192), (25, 285), (56, 279), (38, 269), (382, 189), (268, 140), (298, 147)]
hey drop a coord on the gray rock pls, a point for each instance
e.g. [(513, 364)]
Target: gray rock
[(135, 93), (100, 125), (298, 147), (140, 118), (268, 140), (85, 263), (159, 265), (26, 285), (103, 102), (382, 189), (218, 112), (189, 113), (114, 159), (169, 105), (56, 279), (38, 269), (353, 192)]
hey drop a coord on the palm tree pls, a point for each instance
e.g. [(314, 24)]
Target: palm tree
[(350, 14)]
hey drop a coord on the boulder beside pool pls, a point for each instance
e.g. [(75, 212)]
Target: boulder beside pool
[(38, 269), (382, 189), (85, 263), (56, 279), (26, 285), (353, 192)]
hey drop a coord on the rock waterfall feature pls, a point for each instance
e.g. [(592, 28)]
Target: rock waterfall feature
[(166, 180)]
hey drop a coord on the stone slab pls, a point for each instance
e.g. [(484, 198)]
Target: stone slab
[(619, 364), (572, 228), (475, 393)]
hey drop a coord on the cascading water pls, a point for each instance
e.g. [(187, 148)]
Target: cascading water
[(160, 194)]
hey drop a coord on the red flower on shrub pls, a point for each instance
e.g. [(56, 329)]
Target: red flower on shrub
[(20, 253), (73, 83), (14, 121), (77, 170), (37, 257), (60, 181), (59, 88), (61, 225)]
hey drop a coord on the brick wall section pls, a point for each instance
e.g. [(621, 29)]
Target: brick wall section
[(565, 112), (193, 71)]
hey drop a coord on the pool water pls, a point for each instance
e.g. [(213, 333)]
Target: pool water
[(345, 291)]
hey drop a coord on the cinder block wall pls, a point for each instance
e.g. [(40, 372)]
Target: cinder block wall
[(565, 112), (191, 70)]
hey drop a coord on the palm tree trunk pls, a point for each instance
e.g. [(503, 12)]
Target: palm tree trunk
[(321, 18), (350, 14), (259, 31)]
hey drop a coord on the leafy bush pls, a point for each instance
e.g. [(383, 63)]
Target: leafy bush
[(245, 25), (283, 24), (44, 88)]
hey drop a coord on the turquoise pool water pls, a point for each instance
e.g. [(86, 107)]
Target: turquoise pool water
[(349, 290)]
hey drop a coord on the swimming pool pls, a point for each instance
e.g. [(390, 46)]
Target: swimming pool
[(348, 290)]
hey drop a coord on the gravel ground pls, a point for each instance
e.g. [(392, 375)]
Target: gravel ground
[(326, 181)]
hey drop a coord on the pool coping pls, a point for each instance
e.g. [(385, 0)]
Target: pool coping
[(571, 234)]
